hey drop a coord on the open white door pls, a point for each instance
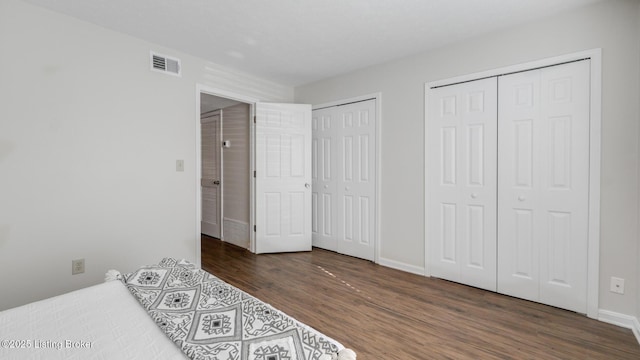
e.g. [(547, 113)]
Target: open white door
[(283, 177)]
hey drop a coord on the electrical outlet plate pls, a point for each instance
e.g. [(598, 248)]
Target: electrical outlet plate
[(617, 285), (77, 266)]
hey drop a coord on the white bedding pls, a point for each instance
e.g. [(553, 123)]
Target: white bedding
[(99, 322), (171, 310)]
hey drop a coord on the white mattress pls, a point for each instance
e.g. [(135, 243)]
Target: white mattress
[(99, 322)]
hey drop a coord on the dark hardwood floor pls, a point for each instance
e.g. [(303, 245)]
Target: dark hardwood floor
[(383, 313)]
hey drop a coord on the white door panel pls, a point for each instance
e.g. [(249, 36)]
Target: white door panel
[(563, 267), (324, 180), (543, 185), (356, 186), (518, 130), (462, 201), (283, 177), (210, 181)]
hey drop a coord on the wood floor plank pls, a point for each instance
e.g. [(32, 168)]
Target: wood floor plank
[(388, 314)]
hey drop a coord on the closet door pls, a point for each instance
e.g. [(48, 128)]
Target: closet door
[(324, 177), (461, 211), (543, 185), (356, 186)]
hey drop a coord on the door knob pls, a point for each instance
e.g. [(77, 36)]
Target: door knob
[(521, 198), (216, 182), (307, 185), (474, 195)]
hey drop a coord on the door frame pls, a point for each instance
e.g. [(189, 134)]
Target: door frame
[(378, 98), (595, 112), (205, 89)]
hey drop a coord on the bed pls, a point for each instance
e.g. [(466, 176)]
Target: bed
[(170, 310)]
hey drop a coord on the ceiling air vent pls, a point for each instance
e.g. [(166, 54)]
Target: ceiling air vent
[(165, 64)]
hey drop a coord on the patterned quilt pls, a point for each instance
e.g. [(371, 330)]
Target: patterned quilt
[(210, 319)]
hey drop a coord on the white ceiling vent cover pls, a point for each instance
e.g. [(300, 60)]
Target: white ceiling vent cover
[(165, 64)]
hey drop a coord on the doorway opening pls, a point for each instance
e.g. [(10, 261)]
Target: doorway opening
[(225, 169), (277, 143)]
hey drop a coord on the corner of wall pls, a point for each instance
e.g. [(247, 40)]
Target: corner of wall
[(622, 320), (401, 266), (637, 324)]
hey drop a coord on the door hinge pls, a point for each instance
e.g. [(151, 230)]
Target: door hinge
[(254, 173), (254, 228), (254, 119)]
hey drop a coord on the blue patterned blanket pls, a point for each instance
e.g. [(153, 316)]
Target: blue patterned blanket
[(210, 319)]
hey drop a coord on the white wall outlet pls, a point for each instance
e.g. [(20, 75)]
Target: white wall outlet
[(179, 165), (617, 285), (77, 266)]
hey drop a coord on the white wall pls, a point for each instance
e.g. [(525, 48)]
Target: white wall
[(637, 333), (89, 137), (610, 25)]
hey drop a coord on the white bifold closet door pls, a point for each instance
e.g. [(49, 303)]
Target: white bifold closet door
[(344, 180), (324, 179), (543, 184), (462, 180), (515, 146)]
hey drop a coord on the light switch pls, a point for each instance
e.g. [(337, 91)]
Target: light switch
[(179, 165)]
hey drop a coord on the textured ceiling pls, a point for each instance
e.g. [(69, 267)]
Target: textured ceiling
[(294, 42)]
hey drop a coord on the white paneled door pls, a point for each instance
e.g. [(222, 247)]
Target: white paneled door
[(508, 183), (210, 125), (344, 178), (283, 177), (324, 176), (462, 132), (355, 186), (543, 185)]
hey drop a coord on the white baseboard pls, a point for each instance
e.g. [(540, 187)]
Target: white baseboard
[(611, 317), (622, 320), (401, 266), (236, 232)]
